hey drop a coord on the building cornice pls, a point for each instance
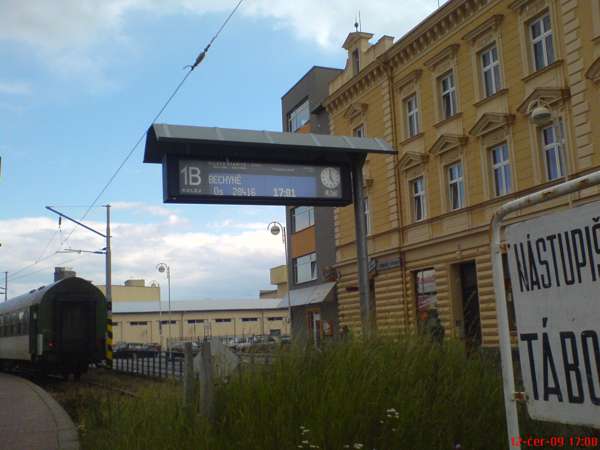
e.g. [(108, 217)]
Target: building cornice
[(413, 44), (350, 90)]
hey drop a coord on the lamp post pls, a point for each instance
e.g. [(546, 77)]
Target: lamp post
[(162, 268), (275, 227)]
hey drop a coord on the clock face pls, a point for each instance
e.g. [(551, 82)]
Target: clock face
[(330, 177)]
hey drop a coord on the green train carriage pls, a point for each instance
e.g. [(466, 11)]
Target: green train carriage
[(59, 328)]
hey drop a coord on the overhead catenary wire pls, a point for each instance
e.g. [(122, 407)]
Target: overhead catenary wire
[(191, 67)]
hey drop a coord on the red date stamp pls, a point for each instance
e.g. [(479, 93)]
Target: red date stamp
[(556, 442)]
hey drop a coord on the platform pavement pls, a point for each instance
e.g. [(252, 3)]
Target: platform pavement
[(30, 419)]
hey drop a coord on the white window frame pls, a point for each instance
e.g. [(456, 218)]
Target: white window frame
[(493, 69), (418, 198), (555, 147), (412, 116), (449, 92), (501, 174), (295, 119), (542, 40), (311, 259), (300, 211), (457, 182), (359, 131)]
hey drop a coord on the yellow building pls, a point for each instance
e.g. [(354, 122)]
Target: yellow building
[(456, 97), (133, 290), (279, 278), (143, 322)]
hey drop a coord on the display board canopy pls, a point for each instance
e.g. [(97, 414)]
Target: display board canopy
[(260, 146)]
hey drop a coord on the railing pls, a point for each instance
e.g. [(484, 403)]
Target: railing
[(158, 365)]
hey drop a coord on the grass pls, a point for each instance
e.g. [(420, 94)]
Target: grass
[(384, 394)]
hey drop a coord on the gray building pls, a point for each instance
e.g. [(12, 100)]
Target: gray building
[(311, 239)]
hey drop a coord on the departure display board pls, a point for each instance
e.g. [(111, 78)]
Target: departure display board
[(246, 182)]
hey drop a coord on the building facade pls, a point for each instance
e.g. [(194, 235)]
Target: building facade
[(456, 98), (311, 243), (151, 322)]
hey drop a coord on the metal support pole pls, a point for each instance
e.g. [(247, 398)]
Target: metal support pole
[(109, 327), (362, 255), (287, 273), (169, 291), (512, 419)]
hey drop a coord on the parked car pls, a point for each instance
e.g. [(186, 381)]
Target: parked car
[(135, 349), (177, 349)]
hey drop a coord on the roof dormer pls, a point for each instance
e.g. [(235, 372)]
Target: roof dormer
[(356, 44)]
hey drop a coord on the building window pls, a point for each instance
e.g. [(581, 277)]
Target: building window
[(501, 169), (302, 217), (223, 320), (273, 319), (355, 62), (368, 223), (412, 116), (138, 324), (490, 65), (426, 294), (249, 319), (305, 268), (448, 95), (541, 42), (359, 131), (298, 117), (552, 144), (166, 322), (456, 186), (195, 321), (418, 193)]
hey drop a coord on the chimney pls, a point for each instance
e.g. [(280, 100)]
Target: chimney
[(61, 273)]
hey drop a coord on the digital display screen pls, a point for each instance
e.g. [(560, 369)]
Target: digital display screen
[(250, 179)]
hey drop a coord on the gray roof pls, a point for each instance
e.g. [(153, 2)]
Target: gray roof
[(213, 142), (197, 305), (309, 295)]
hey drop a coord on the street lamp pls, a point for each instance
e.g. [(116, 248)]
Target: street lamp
[(162, 268), (275, 228)]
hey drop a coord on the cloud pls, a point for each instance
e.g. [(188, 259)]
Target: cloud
[(68, 34), (14, 88), (234, 264)]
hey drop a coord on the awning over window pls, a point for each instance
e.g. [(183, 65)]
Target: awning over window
[(308, 295)]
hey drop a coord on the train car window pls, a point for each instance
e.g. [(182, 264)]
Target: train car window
[(2, 325)]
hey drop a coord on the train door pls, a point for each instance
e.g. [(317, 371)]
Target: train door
[(76, 327)]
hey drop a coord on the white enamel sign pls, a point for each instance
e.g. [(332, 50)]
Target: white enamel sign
[(554, 266)]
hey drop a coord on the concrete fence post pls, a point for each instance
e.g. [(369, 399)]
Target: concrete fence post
[(188, 377), (206, 382)]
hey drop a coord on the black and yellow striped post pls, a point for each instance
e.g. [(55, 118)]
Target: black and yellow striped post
[(109, 335), (109, 325)]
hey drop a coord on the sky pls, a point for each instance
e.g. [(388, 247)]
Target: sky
[(80, 82)]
